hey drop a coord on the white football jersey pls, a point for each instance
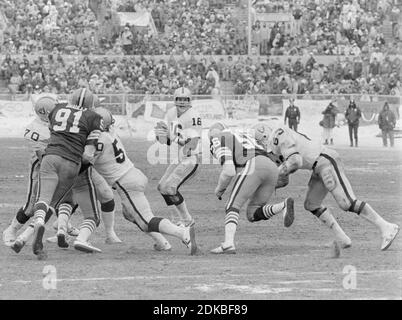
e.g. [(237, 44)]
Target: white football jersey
[(187, 126), (38, 134), (111, 159), (284, 142)]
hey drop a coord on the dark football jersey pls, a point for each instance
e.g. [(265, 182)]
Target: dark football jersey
[(238, 147), (70, 127)]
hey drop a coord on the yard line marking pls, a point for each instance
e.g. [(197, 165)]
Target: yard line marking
[(188, 276)]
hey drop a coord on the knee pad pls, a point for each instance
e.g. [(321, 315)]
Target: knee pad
[(21, 216), (318, 212), (153, 225), (108, 206), (357, 206), (176, 199), (329, 179)]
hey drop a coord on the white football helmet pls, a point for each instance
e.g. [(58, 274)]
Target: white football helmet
[(262, 133), (216, 129), (107, 117), (182, 99), (44, 105)]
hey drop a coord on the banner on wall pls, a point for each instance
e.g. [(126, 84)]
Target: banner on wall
[(16, 109)]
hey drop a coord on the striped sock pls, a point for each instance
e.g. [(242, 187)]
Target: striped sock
[(40, 210), (270, 210), (231, 221), (64, 215), (86, 228)]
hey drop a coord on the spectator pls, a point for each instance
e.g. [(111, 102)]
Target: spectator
[(353, 115), (329, 121), (292, 113), (386, 122)]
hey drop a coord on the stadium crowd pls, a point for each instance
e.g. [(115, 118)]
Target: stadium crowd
[(336, 27)]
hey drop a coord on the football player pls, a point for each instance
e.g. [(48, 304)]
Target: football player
[(74, 129), (183, 129), (112, 162), (328, 175), (257, 175), (37, 133)]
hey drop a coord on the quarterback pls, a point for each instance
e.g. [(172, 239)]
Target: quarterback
[(328, 175), (183, 127), (112, 162)]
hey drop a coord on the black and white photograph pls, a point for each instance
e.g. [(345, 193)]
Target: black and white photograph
[(200, 154)]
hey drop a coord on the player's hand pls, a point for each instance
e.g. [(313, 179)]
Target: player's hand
[(219, 193), (161, 132), (283, 181)]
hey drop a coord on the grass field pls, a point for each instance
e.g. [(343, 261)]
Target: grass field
[(272, 262)]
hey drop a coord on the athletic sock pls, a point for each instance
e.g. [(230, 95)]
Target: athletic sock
[(371, 215), (169, 228), (182, 210), (108, 221), (231, 221), (328, 219), (270, 210), (63, 218), (86, 228), (27, 233), (15, 225)]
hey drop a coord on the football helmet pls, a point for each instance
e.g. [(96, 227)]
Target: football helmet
[(216, 129), (44, 105), (182, 99), (261, 133), (107, 117), (84, 98)]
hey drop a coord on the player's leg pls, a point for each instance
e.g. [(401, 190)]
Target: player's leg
[(337, 183), (315, 195), (24, 213), (57, 176), (136, 209), (258, 207), (106, 199), (86, 197), (172, 180), (245, 185)]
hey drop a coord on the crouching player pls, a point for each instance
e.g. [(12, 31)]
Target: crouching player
[(112, 163), (328, 175), (37, 133), (256, 181), (182, 133)]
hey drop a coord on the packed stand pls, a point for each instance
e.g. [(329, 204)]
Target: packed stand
[(328, 27), (105, 75)]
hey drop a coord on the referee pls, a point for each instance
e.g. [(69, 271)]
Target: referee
[(293, 114)]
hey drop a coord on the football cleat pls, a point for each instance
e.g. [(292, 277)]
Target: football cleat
[(162, 246), (62, 240), (85, 247), (18, 245), (289, 212), (224, 250), (52, 239), (112, 239), (9, 236), (72, 231), (37, 243), (389, 237)]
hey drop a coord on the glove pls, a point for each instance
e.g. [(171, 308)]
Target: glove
[(161, 132), (219, 193)]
